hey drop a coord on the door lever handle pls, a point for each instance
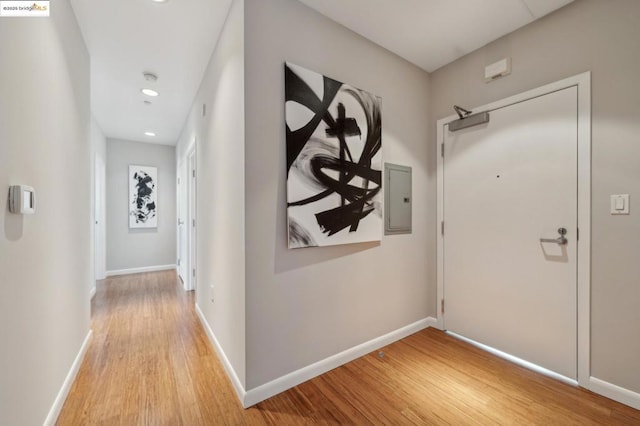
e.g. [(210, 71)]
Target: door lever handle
[(562, 240)]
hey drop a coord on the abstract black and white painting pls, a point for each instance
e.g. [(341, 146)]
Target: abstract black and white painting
[(143, 208), (334, 161)]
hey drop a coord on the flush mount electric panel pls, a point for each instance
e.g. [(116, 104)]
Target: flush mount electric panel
[(397, 199)]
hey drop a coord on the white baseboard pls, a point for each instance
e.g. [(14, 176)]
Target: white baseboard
[(52, 417), (140, 270), (433, 322), (92, 292), (438, 322), (231, 373), (281, 384), (617, 393)]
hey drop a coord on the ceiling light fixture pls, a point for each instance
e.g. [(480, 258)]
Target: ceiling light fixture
[(149, 133), (159, 1), (149, 92), (149, 76)]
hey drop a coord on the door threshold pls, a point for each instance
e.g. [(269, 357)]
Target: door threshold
[(514, 359)]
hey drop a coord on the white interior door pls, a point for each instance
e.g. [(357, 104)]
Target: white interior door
[(183, 208), (507, 185), (100, 250), (192, 219)]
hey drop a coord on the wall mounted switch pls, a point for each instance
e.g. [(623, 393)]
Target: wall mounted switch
[(620, 204)]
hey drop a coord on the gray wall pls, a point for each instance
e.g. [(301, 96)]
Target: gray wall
[(305, 305), (601, 36), (138, 248), (45, 258), (220, 203)]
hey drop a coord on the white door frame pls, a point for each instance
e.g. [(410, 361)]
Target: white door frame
[(191, 159), (186, 211), (583, 84), (99, 215), (181, 212)]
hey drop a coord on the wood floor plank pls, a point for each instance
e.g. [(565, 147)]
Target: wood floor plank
[(150, 363)]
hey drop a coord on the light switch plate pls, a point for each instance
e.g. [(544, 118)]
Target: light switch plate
[(620, 204)]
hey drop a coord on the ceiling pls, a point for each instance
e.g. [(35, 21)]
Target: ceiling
[(127, 37), (175, 39), (433, 33)]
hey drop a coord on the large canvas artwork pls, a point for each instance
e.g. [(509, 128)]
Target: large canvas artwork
[(143, 189), (334, 161)]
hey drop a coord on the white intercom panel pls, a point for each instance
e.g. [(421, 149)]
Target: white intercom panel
[(22, 199)]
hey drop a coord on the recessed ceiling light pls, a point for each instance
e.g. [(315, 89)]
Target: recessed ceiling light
[(149, 133), (159, 1), (149, 92)]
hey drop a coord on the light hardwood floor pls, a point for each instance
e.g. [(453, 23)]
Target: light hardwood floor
[(150, 363)]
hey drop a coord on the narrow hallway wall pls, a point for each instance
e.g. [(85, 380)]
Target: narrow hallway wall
[(216, 125), (45, 258)]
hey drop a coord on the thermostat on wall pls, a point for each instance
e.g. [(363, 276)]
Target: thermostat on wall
[(22, 199)]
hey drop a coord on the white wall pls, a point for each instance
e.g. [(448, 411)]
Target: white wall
[(220, 201), (44, 258), (140, 247), (98, 140), (602, 37), (305, 305)]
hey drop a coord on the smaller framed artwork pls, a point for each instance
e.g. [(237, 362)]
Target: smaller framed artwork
[(143, 190)]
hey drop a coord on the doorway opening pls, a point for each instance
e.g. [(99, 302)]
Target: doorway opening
[(100, 245), (187, 224)]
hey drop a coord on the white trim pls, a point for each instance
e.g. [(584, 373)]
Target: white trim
[(192, 216), (617, 393), (92, 292), (281, 384), (231, 373), (140, 270), (189, 281), (583, 84), (431, 322), (190, 148), (58, 403)]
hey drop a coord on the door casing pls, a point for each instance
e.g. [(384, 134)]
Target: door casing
[(186, 209), (100, 246), (583, 84), (192, 216), (182, 197)]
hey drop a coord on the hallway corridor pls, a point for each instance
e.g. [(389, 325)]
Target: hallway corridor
[(150, 363)]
